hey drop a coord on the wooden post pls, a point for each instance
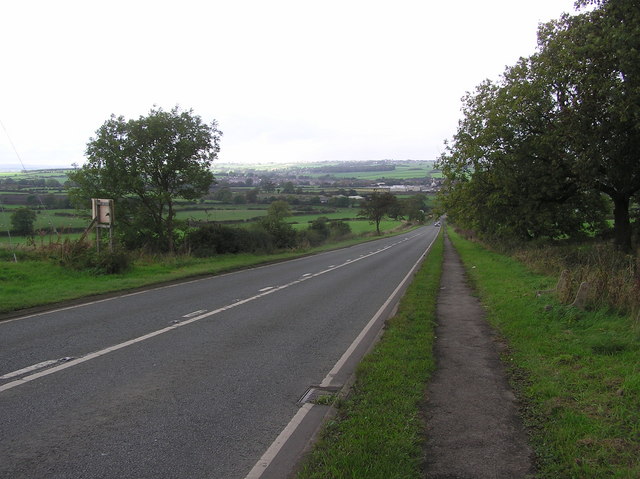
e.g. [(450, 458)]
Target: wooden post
[(581, 297), (562, 281)]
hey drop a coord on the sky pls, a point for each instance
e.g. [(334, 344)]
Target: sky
[(287, 81)]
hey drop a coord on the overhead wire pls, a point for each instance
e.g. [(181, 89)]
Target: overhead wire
[(37, 195)]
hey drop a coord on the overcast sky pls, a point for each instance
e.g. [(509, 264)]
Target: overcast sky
[(286, 80)]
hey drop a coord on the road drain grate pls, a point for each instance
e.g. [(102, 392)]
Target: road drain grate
[(317, 394)]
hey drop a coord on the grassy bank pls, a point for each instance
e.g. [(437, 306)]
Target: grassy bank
[(29, 283), (577, 372), (378, 429)]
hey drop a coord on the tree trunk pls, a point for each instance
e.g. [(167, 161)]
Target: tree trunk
[(622, 225)]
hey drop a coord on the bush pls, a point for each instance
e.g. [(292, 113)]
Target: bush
[(82, 256), (213, 239), (310, 237), (339, 229)]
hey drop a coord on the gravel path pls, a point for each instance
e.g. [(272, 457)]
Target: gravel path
[(473, 426)]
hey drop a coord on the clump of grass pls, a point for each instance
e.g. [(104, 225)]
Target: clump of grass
[(613, 277), (378, 429), (576, 372)]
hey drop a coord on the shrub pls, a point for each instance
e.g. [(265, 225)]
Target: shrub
[(339, 229), (213, 239), (82, 256)]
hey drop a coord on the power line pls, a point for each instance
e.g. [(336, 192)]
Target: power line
[(15, 150)]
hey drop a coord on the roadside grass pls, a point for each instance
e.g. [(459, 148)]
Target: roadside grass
[(378, 429), (576, 373), (35, 282)]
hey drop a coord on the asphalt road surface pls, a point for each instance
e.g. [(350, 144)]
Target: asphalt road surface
[(195, 380)]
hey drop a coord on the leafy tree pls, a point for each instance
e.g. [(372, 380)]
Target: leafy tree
[(267, 185), (144, 164), (592, 65), (283, 234), (507, 171), (278, 210), (252, 195), (288, 188), (224, 195), (569, 118), (415, 207), (376, 206), (22, 220)]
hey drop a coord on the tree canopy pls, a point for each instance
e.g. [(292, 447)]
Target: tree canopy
[(144, 164), (536, 150), (376, 206), (22, 220)]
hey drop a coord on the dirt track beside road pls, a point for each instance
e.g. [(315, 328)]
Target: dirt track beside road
[(474, 430)]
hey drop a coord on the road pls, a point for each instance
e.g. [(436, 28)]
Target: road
[(191, 380)]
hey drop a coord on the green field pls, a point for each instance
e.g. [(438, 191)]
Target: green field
[(60, 219)]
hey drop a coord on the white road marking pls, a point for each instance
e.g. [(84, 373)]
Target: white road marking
[(280, 441), (288, 431), (356, 342), (265, 289), (195, 313), (28, 369), (102, 352)]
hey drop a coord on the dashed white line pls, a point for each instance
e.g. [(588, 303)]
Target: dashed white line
[(28, 369), (265, 461), (70, 362), (195, 313)]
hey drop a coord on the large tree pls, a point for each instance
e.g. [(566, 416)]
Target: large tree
[(592, 65), (144, 164), (507, 171), (376, 206), (559, 129)]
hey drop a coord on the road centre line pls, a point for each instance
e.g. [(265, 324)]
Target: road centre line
[(28, 369), (139, 339)]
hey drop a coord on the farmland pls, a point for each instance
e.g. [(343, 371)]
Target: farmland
[(241, 195)]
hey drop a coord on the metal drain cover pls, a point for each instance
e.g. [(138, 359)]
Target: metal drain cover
[(315, 392)]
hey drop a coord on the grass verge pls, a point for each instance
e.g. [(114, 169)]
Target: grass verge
[(576, 372), (32, 283), (378, 430)]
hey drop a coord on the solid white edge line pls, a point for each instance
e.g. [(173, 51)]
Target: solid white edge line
[(356, 342), (275, 447), (265, 461)]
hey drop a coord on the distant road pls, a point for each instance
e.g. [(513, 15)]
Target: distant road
[(194, 380)]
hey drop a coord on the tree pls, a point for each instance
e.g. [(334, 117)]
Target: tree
[(376, 206), (283, 234), (568, 115), (267, 185), (278, 210), (592, 65), (288, 188), (415, 207), (22, 221), (144, 164), (507, 170), (252, 195)]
